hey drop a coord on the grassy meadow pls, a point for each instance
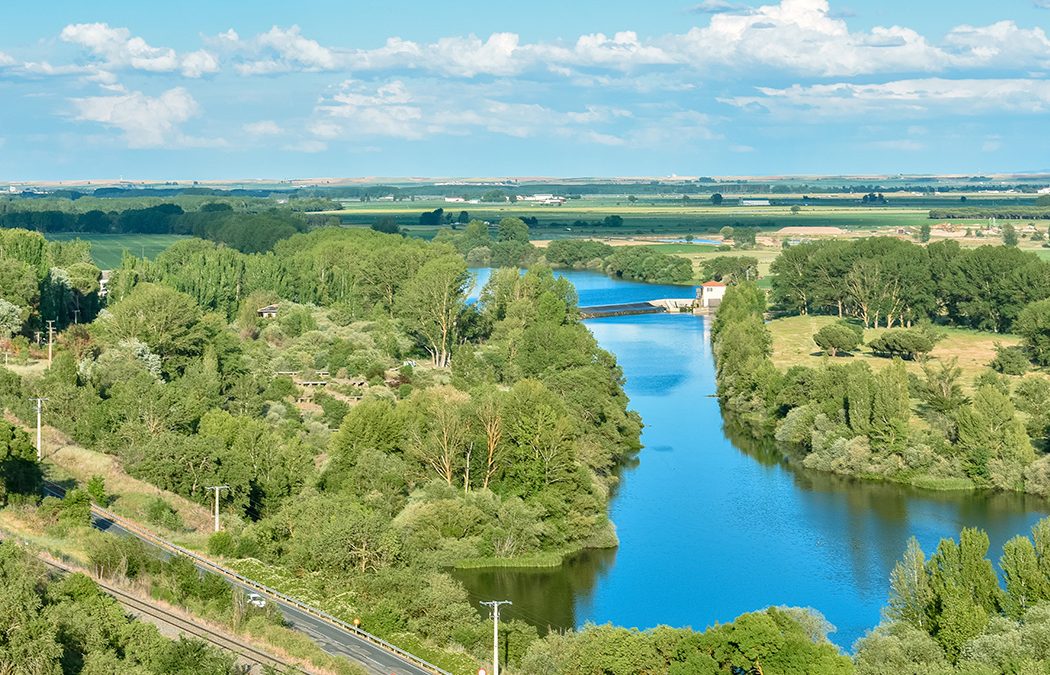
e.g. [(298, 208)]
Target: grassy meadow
[(107, 249), (793, 346)]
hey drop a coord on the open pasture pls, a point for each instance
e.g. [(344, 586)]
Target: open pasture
[(793, 346), (107, 249)]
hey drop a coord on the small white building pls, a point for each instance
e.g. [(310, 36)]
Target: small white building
[(709, 295), (267, 312), (754, 202)]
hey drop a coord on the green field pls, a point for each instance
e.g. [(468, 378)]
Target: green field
[(107, 249), (576, 218)]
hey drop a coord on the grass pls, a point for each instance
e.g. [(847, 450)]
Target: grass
[(130, 495), (793, 346), (108, 249)]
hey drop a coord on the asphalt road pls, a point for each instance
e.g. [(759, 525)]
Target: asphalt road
[(334, 640)]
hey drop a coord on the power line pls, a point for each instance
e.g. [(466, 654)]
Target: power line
[(495, 605)]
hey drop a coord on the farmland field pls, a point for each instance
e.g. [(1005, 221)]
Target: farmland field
[(107, 249), (582, 217)]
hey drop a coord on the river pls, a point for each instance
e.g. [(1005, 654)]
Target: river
[(713, 524)]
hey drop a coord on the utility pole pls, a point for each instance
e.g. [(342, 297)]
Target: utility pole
[(217, 488), (76, 316), (50, 339), (39, 410), (494, 604)]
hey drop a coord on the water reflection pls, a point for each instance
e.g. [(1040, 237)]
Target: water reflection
[(544, 597), (714, 522)]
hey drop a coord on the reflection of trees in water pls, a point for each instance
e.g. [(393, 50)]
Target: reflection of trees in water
[(870, 521), (544, 597)]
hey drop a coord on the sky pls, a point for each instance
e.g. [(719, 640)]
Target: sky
[(260, 89)]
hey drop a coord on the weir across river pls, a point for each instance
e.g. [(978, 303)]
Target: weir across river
[(670, 305)]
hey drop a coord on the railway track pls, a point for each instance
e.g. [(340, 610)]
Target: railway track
[(244, 650), (338, 637)]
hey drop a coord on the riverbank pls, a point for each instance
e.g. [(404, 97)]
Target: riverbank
[(714, 523), (880, 422)]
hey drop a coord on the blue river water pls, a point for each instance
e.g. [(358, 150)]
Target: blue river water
[(713, 524)]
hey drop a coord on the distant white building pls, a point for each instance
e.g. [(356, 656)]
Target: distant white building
[(1044, 191), (754, 202), (546, 200), (454, 200)]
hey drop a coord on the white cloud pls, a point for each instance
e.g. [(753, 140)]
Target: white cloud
[(6, 59), (263, 128), (909, 97), (802, 36), (199, 63), (1002, 44), (116, 46), (281, 50), (1043, 4), (395, 110), (145, 121)]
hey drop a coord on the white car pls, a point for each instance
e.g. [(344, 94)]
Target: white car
[(256, 600)]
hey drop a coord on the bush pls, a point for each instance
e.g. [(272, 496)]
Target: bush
[(163, 514), (836, 338), (75, 508), (222, 544), (96, 489), (1009, 360)]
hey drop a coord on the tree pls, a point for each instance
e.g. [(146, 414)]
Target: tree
[(1009, 360), (744, 237), (716, 199), (729, 269), (726, 232), (1010, 235), (166, 320), (795, 209), (904, 343), (432, 303), (1033, 324), (924, 233), (992, 441), (10, 319), (836, 338), (19, 471), (386, 225), (632, 198), (513, 229), (941, 390), (911, 596)]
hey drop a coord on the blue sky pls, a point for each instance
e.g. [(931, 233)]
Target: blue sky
[(261, 89)]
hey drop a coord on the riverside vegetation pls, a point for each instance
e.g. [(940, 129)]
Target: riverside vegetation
[(889, 424), (449, 433)]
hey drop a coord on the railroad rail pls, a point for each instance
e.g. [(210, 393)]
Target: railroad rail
[(243, 649), (206, 564)]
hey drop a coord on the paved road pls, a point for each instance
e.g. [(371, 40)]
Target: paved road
[(333, 639)]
